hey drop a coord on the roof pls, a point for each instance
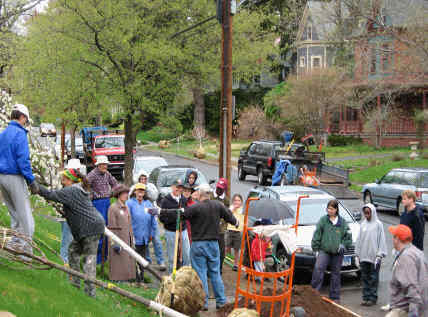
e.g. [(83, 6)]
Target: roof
[(411, 169), (403, 12), (323, 16)]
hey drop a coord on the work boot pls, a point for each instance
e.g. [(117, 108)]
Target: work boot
[(364, 303)]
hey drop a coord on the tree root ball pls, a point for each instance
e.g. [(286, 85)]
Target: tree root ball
[(200, 153), (163, 144), (244, 312), (189, 294)]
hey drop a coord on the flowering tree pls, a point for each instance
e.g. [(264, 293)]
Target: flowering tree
[(45, 166)]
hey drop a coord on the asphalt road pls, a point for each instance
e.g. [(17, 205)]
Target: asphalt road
[(351, 287)]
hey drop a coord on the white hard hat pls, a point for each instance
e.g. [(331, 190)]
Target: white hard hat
[(74, 163), (23, 109), (101, 159)]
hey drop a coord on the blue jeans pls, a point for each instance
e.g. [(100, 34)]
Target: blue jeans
[(102, 205), (205, 257), (157, 245), (170, 244), (66, 238), (323, 260), (370, 279)]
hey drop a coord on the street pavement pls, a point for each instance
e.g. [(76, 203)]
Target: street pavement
[(351, 286)]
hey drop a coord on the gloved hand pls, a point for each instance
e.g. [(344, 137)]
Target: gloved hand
[(153, 211), (341, 249), (117, 248), (34, 188), (377, 263)]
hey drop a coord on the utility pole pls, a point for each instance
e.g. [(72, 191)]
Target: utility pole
[(226, 94), (62, 143)]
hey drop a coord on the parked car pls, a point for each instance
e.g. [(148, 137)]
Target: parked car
[(146, 164), (163, 177), (80, 153), (47, 129), (386, 192), (311, 210)]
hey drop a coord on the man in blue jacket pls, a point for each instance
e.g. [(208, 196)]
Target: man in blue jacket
[(15, 173)]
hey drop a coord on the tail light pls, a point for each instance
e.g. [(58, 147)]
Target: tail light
[(269, 162)]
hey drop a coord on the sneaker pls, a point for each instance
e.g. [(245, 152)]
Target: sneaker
[(386, 307), (370, 303), (219, 306), (205, 308), (162, 267), (364, 303)]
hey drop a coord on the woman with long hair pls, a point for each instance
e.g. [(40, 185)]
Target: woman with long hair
[(234, 235), (86, 223)]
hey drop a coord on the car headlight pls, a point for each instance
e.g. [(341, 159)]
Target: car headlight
[(305, 250)]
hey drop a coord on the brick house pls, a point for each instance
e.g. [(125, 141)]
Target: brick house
[(385, 62)]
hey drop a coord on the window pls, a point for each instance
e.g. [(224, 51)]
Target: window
[(252, 149), (351, 114), (309, 32), (386, 57), (408, 178), (373, 60), (388, 178), (302, 61), (316, 61)]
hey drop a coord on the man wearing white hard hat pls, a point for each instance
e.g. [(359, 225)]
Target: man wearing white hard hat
[(16, 173), (102, 184)]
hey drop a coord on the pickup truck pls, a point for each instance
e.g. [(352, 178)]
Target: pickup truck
[(260, 159), (103, 142)]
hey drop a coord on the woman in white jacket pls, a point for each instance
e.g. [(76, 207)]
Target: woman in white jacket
[(370, 249)]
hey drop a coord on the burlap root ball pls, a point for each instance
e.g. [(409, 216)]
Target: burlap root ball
[(243, 312), (189, 294)]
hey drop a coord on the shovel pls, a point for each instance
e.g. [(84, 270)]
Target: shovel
[(174, 268)]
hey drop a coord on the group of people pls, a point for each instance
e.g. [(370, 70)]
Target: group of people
[(205, 221), (409, 283)]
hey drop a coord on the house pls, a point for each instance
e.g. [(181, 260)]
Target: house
[(316, 41), (390, 63)]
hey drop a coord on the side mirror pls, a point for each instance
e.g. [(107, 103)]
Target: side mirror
[(357, 215), (377, 181)]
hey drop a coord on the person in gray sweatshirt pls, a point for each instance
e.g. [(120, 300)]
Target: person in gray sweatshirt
[(370, 249)]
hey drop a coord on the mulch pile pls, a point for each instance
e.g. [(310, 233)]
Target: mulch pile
[(303, 295)]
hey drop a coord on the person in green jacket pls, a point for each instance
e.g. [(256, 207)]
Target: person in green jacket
[(331, 239)]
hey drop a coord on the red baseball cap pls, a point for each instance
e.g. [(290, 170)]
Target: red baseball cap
[(222, 183), (402, 232)]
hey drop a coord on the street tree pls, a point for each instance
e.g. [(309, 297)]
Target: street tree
[(126, 44)]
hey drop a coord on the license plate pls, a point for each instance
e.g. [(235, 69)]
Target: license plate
[(347, 260)]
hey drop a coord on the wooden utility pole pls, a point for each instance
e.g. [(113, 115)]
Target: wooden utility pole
[(62, 143), (226, 95)]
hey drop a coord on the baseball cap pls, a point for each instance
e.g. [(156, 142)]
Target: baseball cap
[(177, 182), (140, 186), (23, 109), (222, 183), (402, 232)]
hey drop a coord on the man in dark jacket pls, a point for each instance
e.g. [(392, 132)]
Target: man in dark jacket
[(413, 217), (15, 173), (168, 218), (205, 254), (220, 195)]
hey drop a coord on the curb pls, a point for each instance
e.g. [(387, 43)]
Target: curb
[(164, 153)]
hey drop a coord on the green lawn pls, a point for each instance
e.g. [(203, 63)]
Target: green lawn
[(38, 293), (358, 150)]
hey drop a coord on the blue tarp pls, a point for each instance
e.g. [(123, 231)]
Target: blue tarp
[(281, 167), (89, 132)]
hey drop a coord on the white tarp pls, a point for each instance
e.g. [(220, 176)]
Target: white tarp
[(286, 234)]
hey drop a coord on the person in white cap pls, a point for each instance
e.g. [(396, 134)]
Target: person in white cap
[(102, 183), (16, 174)]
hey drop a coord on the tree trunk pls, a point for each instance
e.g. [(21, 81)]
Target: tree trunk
[(129, 149), (73, 140), (199, 112)]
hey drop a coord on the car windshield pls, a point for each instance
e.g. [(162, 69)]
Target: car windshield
[(167, 177), (109, 142), (149, 165), (311, 210)]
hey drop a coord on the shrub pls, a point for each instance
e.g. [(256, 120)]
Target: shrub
[(397, 158), (253, 124), (373, 163), (343, 140)]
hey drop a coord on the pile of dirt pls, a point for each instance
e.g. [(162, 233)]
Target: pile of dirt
[(303, 295)]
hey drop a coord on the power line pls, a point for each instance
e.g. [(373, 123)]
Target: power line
[(193, 26)]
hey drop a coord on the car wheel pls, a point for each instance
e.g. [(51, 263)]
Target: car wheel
[(241, 173), (297, 312), (368, 198), (400, 207), (260, 177)]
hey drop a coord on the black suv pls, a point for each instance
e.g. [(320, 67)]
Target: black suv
[(258, 159)]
